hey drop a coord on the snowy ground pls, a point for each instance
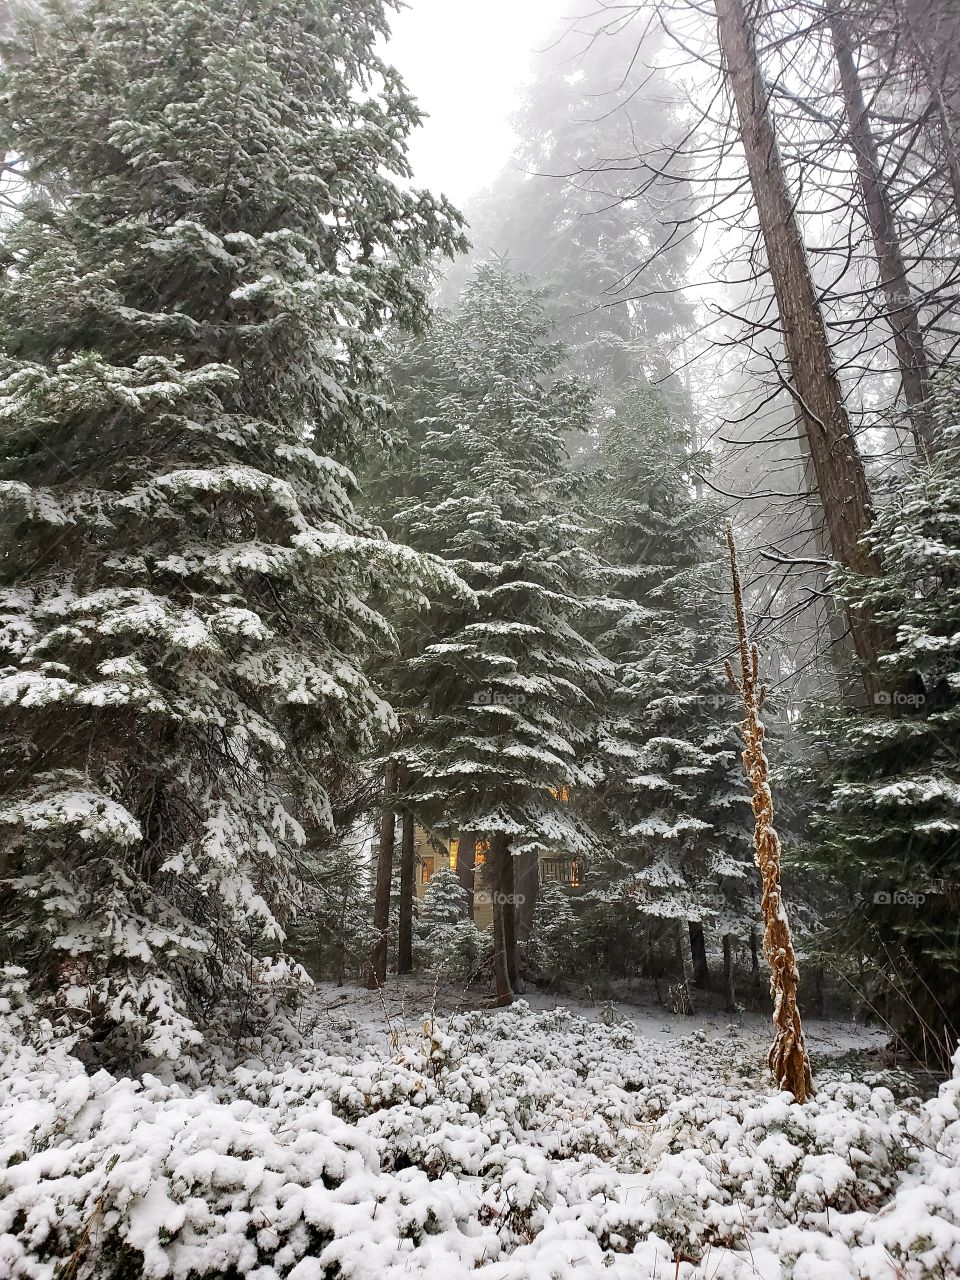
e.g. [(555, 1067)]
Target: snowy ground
[(408, 1000), (399, 1139)]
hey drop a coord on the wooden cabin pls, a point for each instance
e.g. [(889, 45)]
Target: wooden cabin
[(558, 867)]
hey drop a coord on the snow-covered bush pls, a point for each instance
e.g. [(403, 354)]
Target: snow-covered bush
[(507, 1145)]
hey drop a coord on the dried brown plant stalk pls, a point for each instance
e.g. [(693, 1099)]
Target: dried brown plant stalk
[(788, 1055)]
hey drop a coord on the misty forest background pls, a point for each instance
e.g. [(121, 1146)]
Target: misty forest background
[(328, 508)]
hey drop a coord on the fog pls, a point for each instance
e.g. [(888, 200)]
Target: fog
[(466, 62)]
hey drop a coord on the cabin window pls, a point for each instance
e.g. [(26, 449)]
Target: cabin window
[(561, 870)]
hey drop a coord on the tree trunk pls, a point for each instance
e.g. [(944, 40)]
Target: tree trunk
[(814, 382), (509, 896), (841, 647), (408, 870), (466, 867), (788, 1058), (499, 852), (698, 951), (377, 974), (902, 312), (755, 958), (930, 28), (342, 950), (729, 994), (527, 884), (684, 993)]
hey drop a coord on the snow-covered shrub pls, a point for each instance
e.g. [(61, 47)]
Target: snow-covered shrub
[(16, 1006), (134, 1177), (496, 1145), (723, 1166)]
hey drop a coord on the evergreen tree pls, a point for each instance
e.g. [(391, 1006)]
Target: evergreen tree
[(889, 771), (446, 942), (672, 806), (189, 368), (506, 692), (332, 934), (553, 949)]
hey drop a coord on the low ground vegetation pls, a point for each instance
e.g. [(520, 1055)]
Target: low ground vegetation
[(355, 1140)]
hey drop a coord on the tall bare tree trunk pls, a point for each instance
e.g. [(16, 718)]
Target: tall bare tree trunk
[(788, 1054), (527, 884), (377, 974), (503, 936), (408, 870), (841, 645), (814, 382), (467, 867), (755, 958), (902, 311)]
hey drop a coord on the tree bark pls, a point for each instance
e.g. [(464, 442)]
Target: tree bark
[(499, 853), (466, 867), (342, 950), (930, 27), (729, 994), (788, 1058), (684, 983), (698, 951), (509, 896), (814, 383), (755, 958), (377, 974), (841, 645), (408, 871), (902, 312), (527, 884)]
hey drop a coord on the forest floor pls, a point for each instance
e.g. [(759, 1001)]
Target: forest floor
[(373, 1138)]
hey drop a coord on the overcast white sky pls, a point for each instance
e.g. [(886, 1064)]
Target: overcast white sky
[(466, 62)]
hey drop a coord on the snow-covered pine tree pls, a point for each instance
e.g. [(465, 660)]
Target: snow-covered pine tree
[(190, 356), (505, 693), (446, 942), (888, 829), (672, 807), (552, 950), (332, 934)]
